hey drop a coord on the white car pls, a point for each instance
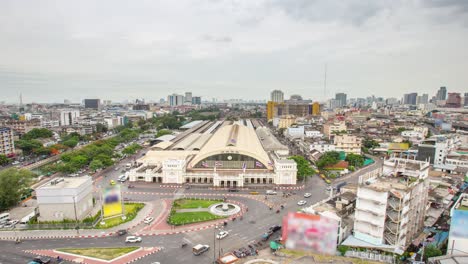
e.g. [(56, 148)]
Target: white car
[(222, 234), (271, 192), (302, 202), (132, 239), (148, 220), (307, 195), (11, 224)]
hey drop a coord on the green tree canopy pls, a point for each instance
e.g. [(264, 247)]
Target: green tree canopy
[(95, 165), (71, 143), (355, 160), (132, 149), (328, 158), (28, 146), (38, 133), (163, 132), (432, 251), (4, 160), (303, 167), (13, 184)]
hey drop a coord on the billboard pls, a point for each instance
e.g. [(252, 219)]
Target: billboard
[(459, 224), (308, 232), (112, 201)]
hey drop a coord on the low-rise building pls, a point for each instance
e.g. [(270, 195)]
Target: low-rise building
[(65, 198), (322, 147), (330, 128), (348, 144), (313, 134)]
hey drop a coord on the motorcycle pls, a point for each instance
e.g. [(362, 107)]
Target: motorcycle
[(183, 245), (131, 186), (277, 211), (17, 241)]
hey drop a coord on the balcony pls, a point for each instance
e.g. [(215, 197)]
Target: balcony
[(393, 228), (389, 238), (394, 204), (393, 216), (370, 211)]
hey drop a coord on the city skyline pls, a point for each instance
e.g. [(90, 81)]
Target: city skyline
[(88, 50)]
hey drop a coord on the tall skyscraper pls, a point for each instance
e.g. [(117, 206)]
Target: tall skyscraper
[(277, 96), (410, 99), (442, 93), (341, 98), (175, 99), (188, 97)]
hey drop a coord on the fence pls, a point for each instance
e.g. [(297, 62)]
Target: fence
[(370, 256), (70, 225)]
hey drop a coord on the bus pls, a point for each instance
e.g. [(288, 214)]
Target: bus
[(27, 218), (5, 217)]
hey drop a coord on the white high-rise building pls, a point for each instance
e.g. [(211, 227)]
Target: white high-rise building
[(277, 96), (69, 117), (391, 206), (188, 97), (175, 99)]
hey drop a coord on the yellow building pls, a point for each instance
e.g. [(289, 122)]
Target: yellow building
[(316, 109), (286, 121)]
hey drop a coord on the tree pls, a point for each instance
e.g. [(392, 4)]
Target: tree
[(13, 184), (71, 143), (132, 149), (4, 160), (28, 146), (101, 128), (163, 132), (355, 160), (328, 158), (95, 165), (38, 133), (303, 167), (432, 251)]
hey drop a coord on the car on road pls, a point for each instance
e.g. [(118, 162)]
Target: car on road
[(122, 232), (222, 234), (15, 162), (199, 249), (307, 195), (41, 260), (301, 202), (233, 190), (148, 220), (133, 239), (275, 228), (116, 168), (112, 182), (267, 235), (270, 192), (74, 175), (126, 199)]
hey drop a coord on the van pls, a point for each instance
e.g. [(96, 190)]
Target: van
[(199, 249), (128, 166), (5, 217)]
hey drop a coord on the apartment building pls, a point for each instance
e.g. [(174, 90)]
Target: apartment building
[(7, 144), (22, 127), (348, 144), (330, 128), (391, 207)]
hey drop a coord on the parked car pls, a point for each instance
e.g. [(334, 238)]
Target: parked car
[(132, 239), (148, 220), (307, 195), (122, 232), (301, 203), (41, 260), (222, 234), (275, 228)]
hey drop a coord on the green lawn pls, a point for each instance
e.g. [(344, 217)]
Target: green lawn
[(193, 203), (100, 253), (191, 217), (131, 210)]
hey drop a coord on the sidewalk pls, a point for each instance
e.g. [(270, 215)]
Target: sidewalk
[(82, 233), (128, 258)]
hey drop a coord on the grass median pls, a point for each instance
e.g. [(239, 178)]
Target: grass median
[(131, 211), (99, 253), (182, 218), (193, 203)]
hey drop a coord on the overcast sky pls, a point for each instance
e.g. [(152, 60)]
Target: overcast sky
[(111, 49)]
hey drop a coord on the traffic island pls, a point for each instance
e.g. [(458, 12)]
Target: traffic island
[(99, 253), (192, 210)]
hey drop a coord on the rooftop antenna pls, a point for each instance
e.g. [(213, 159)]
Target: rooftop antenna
[(325, 84)]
